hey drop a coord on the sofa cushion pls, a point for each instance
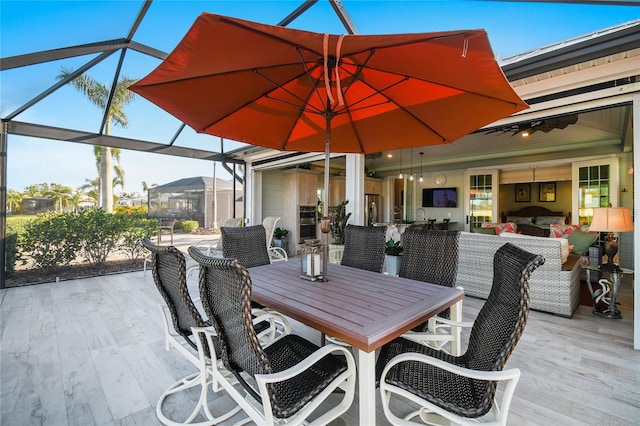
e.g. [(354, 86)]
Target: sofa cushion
[(581, 241)]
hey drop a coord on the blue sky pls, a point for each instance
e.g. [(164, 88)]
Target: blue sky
[(30, 26)]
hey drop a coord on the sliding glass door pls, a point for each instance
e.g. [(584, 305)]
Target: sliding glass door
[(481, 197)]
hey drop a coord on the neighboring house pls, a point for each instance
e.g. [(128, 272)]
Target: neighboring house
[(193, 198), (37, 205)]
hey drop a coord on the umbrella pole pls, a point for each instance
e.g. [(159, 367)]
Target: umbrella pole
[(325, 222)]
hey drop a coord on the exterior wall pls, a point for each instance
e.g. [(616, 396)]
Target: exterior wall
[(272, 193)]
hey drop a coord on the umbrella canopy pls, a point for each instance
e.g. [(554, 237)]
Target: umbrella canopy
[(296, 90)]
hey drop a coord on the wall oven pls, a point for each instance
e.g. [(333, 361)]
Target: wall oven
[(306, 223)]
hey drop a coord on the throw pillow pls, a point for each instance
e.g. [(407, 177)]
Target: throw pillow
[(581, 241), (548, 220), (524, 220), (501, 227)]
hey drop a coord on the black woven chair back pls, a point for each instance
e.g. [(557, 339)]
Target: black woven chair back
[(502, 319), (169, 275), (432, 257), (445, 224), (364, 247), (248, 244), (225, 293)]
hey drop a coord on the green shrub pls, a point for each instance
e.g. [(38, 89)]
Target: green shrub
[(16, 224), (189, 226), (137, 228), (99, 234), (50, 240), (11, 253), (139, 211)]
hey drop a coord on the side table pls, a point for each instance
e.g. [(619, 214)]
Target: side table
[(613, 282)]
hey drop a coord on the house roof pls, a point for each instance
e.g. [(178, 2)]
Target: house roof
[(194, 182)]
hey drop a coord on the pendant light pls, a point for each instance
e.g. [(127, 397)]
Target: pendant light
[(401, 175), (421, 179), (411, 166)]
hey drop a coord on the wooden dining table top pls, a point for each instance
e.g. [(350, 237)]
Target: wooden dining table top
[(364, 309)]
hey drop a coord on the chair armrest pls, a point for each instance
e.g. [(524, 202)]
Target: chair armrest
[(307, 363), (277, 254)]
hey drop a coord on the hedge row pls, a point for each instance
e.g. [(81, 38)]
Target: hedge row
[(55, 239)]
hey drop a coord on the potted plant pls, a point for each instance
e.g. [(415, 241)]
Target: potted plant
[(339, 218), (393, 252), (280, 234)]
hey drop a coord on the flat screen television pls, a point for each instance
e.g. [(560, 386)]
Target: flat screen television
[(440, 197)]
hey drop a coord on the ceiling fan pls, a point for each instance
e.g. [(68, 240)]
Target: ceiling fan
[(529, 127)]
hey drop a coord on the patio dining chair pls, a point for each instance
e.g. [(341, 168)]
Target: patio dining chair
[(248, 245), (165, 227), (180, 315), (180, 318), (276, 254), (432, 257), (462, 389), (284, 382), (364, 247)]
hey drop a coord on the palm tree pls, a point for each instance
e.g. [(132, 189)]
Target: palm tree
[(98, 94), (91, 189), (60, 193), (115, 154), (35, 190), (14, 200), (75, 199)]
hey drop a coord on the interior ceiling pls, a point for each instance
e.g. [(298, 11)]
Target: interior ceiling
[(596, 131)]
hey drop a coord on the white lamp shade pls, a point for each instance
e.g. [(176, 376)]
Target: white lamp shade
[(611, 219)]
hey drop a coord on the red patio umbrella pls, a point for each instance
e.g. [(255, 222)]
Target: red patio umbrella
[(301, 91)]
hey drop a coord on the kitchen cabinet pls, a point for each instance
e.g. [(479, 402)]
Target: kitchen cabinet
[(300, 189), (372, 186)]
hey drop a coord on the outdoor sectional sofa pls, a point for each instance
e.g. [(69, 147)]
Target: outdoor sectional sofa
[(554, 287)]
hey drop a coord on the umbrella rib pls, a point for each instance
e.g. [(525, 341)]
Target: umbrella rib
[(313, 82), (277, 86)]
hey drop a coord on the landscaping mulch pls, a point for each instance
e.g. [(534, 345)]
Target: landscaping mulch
[(34, 276)]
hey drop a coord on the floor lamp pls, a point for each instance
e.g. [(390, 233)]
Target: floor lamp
[(611, 220)]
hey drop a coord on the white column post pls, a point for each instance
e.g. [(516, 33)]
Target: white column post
[(354, 188)]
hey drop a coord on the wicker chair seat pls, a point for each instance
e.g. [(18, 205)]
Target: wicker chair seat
[(459, 394), (492, 339), (290, 396)]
